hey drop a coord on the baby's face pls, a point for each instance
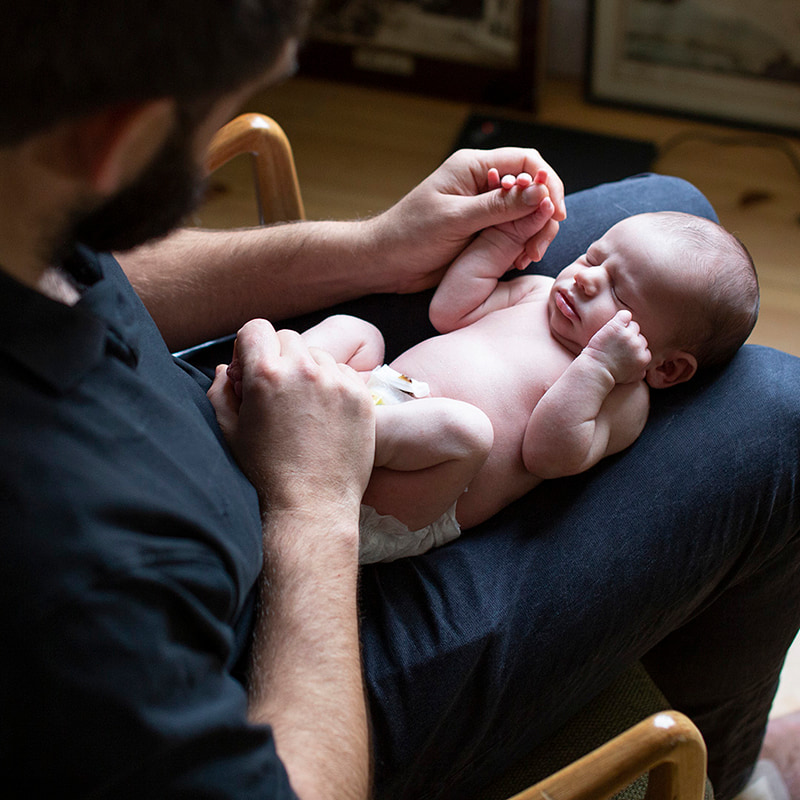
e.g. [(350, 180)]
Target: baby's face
[(630, 267)]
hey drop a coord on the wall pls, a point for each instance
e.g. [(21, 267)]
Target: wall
[(566, 37)]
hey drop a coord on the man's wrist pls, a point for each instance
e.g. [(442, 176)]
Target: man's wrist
[(303, 536)]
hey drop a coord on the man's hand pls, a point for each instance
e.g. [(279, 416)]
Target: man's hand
[(420, 235), (302, 428), (300, 425), (620, 347), (531, 232)]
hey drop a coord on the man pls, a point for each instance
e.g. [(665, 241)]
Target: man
[(180, 608)]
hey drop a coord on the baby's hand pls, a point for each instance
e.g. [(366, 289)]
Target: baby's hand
[(621, 348)]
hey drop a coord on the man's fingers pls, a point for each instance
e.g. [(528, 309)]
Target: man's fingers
[(515, 163), (256, 339)]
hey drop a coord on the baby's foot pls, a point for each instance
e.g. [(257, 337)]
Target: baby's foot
[(515, 237)]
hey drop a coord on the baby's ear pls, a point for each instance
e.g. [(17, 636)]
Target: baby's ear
[(677, 367)]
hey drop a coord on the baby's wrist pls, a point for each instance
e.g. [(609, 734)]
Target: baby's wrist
[(598, 362)]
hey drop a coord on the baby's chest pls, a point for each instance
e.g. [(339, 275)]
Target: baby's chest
[(506, 373)]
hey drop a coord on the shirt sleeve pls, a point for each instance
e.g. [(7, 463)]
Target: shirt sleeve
[(128, 693)]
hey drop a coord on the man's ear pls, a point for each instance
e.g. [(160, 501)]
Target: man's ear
[(107, 149), (120, 142), (676, 367)]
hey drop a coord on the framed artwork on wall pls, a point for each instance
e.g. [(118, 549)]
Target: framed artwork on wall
[(736, 61), (483, 51)]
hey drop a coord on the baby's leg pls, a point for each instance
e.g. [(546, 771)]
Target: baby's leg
[(427, 452), (467, 289), (349, 340)]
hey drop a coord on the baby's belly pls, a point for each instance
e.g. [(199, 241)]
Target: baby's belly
[(501, 480), (480, 373), (504, 374), (498, 386)]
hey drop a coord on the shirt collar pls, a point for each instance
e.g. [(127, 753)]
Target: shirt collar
[(56, 342)]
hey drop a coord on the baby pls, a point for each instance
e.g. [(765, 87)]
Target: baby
[(535, 377)]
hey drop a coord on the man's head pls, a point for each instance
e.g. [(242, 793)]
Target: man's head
[(65, 60), (689, 284), (117, 100)]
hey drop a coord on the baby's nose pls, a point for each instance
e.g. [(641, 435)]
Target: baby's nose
[(588, 281)]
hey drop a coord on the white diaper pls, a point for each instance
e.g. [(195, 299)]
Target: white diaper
[(385, 538)]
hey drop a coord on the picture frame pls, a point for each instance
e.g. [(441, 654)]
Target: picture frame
[(736, 61), (476, 51)]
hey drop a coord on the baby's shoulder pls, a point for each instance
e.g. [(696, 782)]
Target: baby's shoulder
[(529, 288)]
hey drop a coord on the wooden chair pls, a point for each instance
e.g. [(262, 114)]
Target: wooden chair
[(277, 190), (667, 747), (662, 756)]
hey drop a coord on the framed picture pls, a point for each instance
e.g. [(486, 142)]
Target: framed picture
[(737, 60), (485, 51)]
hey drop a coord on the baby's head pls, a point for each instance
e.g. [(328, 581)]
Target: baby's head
[(689, 284), (720, 315)]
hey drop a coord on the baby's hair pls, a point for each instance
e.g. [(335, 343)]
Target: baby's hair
[(720, 320)]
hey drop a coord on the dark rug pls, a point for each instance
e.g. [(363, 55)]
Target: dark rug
[(581, 159)]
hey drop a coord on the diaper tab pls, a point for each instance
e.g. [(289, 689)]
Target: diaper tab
[(390, 386)]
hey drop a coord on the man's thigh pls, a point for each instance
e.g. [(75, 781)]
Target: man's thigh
[(476, 651)]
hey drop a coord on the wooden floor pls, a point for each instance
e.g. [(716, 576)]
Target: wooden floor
[(359, 150)]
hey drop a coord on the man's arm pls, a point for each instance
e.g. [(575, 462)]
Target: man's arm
[(305, 675), (598, 406), (202, 284), (302, 429)]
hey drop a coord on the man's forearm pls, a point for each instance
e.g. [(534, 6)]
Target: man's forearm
[(201, 284), (305, 677)]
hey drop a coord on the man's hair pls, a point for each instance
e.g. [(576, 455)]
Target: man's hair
[(717, 322), (67, 59)]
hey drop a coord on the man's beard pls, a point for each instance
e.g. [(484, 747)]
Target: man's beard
[(149, 208)]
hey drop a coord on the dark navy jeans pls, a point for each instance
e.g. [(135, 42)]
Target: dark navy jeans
[(683, 551)]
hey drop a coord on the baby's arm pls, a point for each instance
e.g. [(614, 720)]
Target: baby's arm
[(471, 288), (598, 406)]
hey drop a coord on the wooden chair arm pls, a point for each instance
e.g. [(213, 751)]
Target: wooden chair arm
[(277, 188), (667, 745)]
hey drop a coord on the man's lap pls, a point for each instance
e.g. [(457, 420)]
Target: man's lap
[(492, 642), (479, 649)]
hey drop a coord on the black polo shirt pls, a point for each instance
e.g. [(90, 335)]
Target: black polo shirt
[(129, 546)]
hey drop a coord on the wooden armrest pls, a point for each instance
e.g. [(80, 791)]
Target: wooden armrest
[(277, 188), (667, 745)]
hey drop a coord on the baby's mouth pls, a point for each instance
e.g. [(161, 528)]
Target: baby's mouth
[(564, 304)]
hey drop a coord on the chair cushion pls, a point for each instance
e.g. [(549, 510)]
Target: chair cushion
[(630, 699)]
